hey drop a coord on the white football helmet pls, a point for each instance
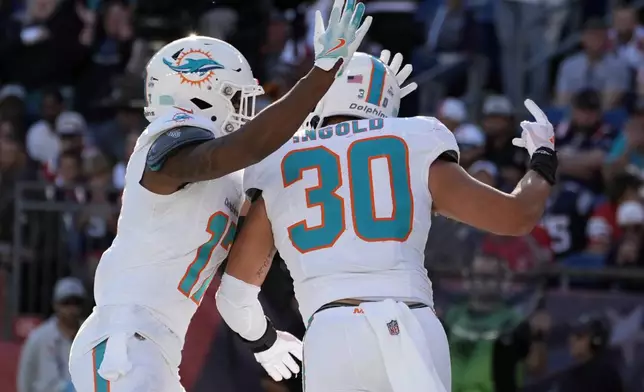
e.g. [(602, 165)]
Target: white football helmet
[(367, 88), (205, 76)]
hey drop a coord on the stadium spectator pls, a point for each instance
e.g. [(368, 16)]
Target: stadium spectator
[(7, 130), (282, 55), (627, 37), (50, 30), (593, 68), (627, 250), (451, 40), (471, 144), (627, 151), (602, 228), (44, 357), (97, 218), (118, 173), (471, 140), (583, 141), (398, 16), (13, 168), (71, 130), (499, 127), (484, 171), (452, 112), (12, 107), (68, 179), (596, 370), (125, 108), (489, 335), (43, 144), (566, 216), (109, 44)]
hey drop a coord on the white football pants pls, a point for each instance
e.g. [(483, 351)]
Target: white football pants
[(123, 364), (376, 347)]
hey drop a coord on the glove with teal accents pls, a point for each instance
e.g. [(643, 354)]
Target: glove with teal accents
[(342, 36)]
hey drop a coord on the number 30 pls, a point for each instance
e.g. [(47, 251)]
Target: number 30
[(367, 226)]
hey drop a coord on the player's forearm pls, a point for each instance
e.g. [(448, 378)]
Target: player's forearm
[(276, 124), (528, 202), (256, 139), (238, 304)]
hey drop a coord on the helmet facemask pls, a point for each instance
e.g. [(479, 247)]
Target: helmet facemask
[(242, 101)]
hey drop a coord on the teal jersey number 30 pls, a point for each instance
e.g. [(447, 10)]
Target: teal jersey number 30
[(367, 225)]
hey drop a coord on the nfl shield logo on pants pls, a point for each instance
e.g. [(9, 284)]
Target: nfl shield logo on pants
[(393, 327)]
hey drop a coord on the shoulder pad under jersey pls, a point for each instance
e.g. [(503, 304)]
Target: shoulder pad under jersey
[(444, 139), (170, 141)]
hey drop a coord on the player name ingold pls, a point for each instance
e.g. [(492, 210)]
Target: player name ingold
[(341, 129)]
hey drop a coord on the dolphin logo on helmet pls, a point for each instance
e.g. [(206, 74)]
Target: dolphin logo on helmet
[(189, 75)]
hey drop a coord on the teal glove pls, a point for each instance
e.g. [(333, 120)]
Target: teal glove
[(342, 36)]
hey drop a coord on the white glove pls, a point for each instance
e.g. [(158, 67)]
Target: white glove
[(537, 134), (343, 35), (277, 360), (401, 74)]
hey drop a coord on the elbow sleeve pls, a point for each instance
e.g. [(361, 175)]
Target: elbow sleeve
[(238, 304)]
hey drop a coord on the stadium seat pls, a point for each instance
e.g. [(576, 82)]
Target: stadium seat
[(616, 117)]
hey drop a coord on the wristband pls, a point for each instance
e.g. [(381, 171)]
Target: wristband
[(267, 340), (544, 161)]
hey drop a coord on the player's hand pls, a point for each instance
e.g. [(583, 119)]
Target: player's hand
[(537, 134), (278, 360), (342, 36), (401, 74)]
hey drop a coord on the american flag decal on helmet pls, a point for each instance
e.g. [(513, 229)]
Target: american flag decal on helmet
[(354, 78), (393, 327)]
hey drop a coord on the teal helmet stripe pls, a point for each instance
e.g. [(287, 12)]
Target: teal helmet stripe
[(377, 82)]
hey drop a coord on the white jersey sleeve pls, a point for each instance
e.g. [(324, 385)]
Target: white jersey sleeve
[(438, 142), (443, 140)]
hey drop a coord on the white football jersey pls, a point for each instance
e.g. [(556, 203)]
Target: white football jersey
[(350, 208), (168, 248)]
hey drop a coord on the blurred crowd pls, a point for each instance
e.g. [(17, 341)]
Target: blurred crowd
[(71, 100)]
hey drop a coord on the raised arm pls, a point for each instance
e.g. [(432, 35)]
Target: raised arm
[(270, 129), (458, 195), (253, 141)]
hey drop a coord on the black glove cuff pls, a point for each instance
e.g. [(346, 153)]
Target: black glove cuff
[(267, 340), (544, 161)]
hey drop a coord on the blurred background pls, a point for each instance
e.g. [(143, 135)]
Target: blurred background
[(558, 310)]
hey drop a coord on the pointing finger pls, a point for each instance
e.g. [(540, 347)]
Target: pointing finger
[(536, 111)]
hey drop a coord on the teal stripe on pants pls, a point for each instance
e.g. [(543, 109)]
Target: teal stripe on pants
[(100, 384)]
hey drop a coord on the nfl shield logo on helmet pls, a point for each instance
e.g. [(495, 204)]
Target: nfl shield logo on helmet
[(393, 327)]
